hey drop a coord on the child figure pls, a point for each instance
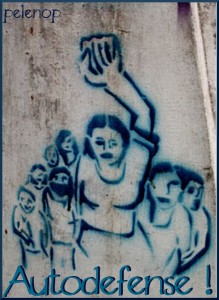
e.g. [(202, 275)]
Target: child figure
[(163, 221), (58, 207), (28, 224), (67, 148), (192, 199), (51, 156), (36, 183)]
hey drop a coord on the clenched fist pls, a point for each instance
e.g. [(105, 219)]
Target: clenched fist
[(101, 59)]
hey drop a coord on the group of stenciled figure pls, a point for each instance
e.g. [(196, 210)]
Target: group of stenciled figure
[(44, 213), (111, 188), (177, 224)]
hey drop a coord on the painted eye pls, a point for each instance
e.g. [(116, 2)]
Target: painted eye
[(64, 179), (68, 141), (191, 190), (99, 143), (153, 185)]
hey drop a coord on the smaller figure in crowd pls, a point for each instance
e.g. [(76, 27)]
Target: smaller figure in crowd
[(37, 177), (45, 219), (51, 155), (67, 147), (36, 182), (192, 200), (58, 207), (28, 224), (163, 221)]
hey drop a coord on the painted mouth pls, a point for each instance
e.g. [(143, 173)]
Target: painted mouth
[(27, 207), (106, 155), (39, 180), (163, 200)]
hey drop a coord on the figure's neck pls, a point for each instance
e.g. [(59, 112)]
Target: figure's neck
[(111, 173), (162, 218), (39, 187), (70, 157), (61, 199)]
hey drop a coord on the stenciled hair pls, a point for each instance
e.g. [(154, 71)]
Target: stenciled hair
[(22, 189), (159, 168), (102, 121), (187, 175), (36, 167), (60, 139)]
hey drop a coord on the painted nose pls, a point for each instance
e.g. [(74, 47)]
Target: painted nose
[(199, 193), (197, 204)]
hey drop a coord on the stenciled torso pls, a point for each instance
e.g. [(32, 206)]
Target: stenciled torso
[(62, 231), (108, 205)]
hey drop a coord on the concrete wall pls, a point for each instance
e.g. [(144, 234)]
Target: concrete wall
[(207, 12)]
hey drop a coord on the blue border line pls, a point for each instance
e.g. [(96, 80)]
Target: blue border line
[(1, 201), (111, 1), (217, 183)]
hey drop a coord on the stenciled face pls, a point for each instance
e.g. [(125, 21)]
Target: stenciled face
[(59, 184), (67, 144), (38, 178), (166, 189), (192, 195), (26, 202), (61, 178), (107, 145), (52, 157)]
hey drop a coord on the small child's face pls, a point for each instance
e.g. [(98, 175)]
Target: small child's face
[(26, 202), (38, 178), (52, 157), (67, 144), (38, 175), (192, 196)]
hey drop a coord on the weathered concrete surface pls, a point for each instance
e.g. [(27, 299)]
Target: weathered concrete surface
[(44, 92), (207, 13), (204, 26)]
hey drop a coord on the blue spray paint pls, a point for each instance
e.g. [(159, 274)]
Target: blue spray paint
[(209, 291)]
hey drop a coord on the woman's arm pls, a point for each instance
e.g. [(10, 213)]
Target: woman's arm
[(102, 66), (123, 88)]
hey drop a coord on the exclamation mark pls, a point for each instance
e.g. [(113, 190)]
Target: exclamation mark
[(208, 280)]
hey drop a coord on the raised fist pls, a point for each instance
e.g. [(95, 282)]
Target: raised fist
[(101, 59)]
